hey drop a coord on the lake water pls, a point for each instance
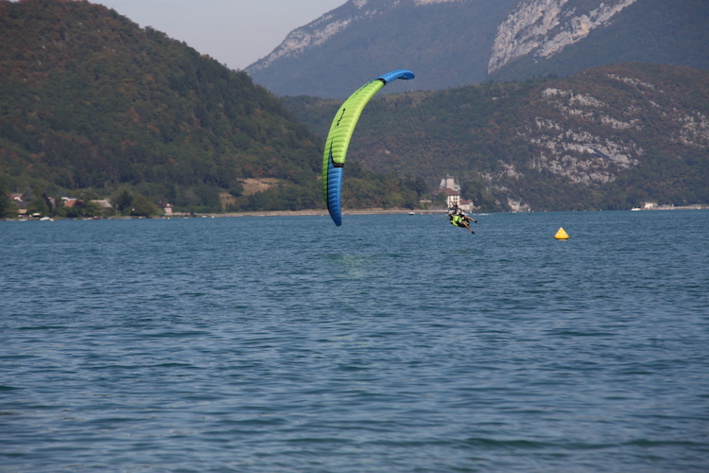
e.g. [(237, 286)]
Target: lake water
[(390, 344)]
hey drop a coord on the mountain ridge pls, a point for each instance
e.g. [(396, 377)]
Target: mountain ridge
[(611, 137), (452, 43), (369, 42), (546, 27)]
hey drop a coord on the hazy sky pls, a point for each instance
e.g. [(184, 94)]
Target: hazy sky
[(234, 32)]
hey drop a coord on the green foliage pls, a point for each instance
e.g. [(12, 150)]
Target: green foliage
[(365, 189), (90, 100), (283, 197), (38, 204), (127, 202), (93, 106), (143, 207), (7, 208), (488, 137), (123, 201)]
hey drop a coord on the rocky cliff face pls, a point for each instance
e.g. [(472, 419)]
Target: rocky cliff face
[(451, 43), (590, 133), (610, 137), (446, 42), (589, 155), (318, 32), (545, 27)]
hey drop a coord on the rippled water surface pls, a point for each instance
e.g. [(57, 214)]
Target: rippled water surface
[(390, 344)]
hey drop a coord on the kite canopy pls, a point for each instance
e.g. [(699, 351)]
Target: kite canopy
[(338, 139)]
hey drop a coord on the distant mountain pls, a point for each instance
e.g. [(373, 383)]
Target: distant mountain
[(450, 43), (607, 138), (446, 42), (565, 36)]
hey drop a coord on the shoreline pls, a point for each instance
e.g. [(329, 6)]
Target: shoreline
[(324, 213), (315, 213)]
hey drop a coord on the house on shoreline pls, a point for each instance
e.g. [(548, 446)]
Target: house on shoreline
[(451, 189)]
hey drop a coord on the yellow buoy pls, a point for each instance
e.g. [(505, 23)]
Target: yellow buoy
[(561, 234)]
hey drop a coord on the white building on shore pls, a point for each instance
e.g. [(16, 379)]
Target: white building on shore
[(451, 189)]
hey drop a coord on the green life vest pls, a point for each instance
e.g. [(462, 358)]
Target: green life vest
[(457, 221)]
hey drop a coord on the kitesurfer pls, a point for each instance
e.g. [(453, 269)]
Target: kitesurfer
[(459, 219)]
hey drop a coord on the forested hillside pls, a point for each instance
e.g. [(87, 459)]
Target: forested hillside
[(94, 107), (92, 104), (91, 101), (606, 138)]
